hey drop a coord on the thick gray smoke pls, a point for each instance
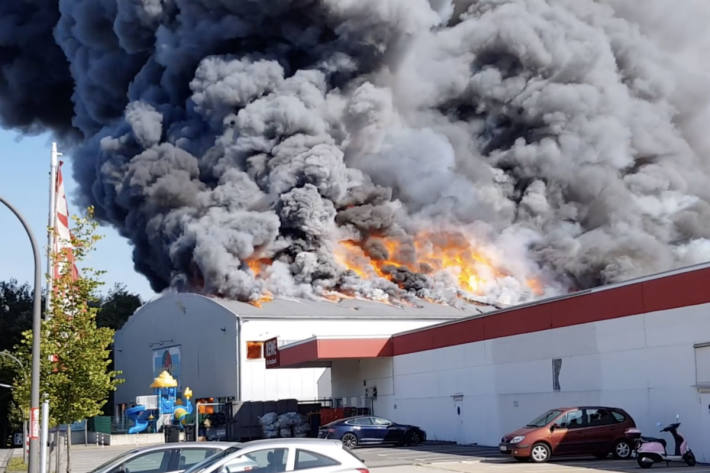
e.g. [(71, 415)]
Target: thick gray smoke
[(254, 146)]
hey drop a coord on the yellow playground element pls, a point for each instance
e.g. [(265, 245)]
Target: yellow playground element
[(165, 380)]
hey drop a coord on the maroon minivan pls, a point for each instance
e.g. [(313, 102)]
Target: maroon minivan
[(589, 430)]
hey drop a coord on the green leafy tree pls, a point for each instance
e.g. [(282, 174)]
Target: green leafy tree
[(75, 372), (15, 318), (116, 307)]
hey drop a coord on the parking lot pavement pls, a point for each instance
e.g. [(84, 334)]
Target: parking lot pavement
[(86, 458), (430, 458), (447, 458)]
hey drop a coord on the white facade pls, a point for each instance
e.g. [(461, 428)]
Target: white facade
[(211, 334), (645, 364)]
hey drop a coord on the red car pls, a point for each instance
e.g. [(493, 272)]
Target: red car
[(590, 430)]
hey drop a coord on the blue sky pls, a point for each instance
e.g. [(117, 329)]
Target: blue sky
[(24, 182)]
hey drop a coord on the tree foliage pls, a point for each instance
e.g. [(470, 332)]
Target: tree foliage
[(116, 307), (75, 352), (15, 317)]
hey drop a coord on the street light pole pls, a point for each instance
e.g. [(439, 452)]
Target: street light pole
[(36, 328)]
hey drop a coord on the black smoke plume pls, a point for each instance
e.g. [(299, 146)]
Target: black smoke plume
[(238, 143)]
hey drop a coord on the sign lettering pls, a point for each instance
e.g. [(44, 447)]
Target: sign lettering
[(271, 352)]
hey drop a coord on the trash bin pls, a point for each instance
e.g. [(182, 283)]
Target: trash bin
[(172, 433), (190, 433)]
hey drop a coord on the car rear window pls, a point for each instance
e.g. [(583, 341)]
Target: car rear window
[(618, 416), (306, 459)]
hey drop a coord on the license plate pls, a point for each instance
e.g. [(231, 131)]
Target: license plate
[(503, 448)]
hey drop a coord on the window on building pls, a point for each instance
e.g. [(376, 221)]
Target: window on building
[(702, 365), (556, 368), (254, 350)]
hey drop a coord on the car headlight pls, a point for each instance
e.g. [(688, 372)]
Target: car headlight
[(517, 439)]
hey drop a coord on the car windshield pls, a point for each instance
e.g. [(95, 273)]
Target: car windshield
[(114, 460), (544, 419), (209, 461)]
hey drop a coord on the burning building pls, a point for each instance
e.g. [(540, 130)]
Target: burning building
[(216, 346)]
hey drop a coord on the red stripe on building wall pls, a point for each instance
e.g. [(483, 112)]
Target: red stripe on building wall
[(333, 349), (301, 353), (677, 290), (354, 348)]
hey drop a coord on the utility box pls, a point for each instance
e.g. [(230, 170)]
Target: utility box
[(172, 433), (100, 424)]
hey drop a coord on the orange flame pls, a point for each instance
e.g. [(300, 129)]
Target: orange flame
[(266, 297), (257, 265), (536, 286), (430, 253)]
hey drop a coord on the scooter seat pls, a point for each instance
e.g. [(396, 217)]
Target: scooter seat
[(653, 439)]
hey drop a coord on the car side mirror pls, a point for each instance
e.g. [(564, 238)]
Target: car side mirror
[(553, 427)]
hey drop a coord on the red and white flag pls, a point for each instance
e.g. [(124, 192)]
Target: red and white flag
[(62, 235)]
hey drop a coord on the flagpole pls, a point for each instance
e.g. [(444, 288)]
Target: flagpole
[(54, 161)]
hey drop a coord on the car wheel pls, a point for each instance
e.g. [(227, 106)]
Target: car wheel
[(413, 438), (349, 440), (540, 453), (622, 449)]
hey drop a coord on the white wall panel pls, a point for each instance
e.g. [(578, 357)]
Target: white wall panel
[(645, 364)]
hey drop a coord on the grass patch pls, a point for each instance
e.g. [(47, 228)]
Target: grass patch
[(16, 464)]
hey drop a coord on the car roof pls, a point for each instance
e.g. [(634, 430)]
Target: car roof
[(591, 407), (163, 446), (299, 441)]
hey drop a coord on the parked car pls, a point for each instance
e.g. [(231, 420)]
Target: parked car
[(368, 430), (167, 458), (282, 455), (592, 430)]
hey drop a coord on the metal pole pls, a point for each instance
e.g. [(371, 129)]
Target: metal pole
[(36, 333), (43, 437), (54, 159), (197, 420)]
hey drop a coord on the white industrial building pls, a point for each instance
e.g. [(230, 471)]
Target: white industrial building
[(642, 345), (214, 346)]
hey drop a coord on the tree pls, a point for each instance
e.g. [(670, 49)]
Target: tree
[(116, 307), (15, 318), (74, 351)]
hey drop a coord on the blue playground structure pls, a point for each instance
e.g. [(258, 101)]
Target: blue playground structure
[(169, 407)]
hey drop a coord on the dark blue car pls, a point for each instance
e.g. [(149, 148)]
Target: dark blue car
[(369, 430)]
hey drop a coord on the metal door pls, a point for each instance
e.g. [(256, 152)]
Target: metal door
[(458, 413), (701, 447)]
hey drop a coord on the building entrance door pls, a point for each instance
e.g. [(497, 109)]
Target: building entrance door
[(702, 382), (458, 412), (703, 447)]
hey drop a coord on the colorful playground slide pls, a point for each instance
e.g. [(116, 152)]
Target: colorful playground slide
[(139, 416)]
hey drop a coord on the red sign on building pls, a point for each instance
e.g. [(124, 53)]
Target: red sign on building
[(271, 352)]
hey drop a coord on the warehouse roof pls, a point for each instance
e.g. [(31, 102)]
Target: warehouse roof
[(282, 308), (349, 309)]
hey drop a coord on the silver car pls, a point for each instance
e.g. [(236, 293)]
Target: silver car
[(282, 455), (168, 458)]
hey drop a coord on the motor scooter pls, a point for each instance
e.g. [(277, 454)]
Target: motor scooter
[(653, 450)]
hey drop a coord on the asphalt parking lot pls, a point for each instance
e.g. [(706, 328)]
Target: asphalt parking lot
[(431, 457), (442, 457)]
